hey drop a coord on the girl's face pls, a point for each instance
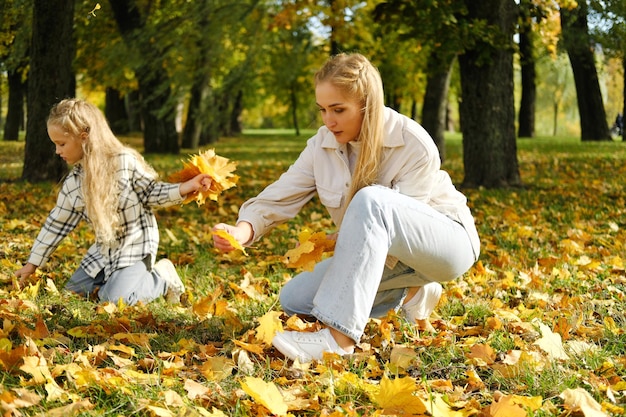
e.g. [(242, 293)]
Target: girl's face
[(340, 114), (67, 146)]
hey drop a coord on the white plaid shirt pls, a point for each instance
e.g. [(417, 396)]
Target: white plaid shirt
[(140, 237)]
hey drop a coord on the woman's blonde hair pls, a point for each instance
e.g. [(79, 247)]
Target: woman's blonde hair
[(358, 79), (82, 121)]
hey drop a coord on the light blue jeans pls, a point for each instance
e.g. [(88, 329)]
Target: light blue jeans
[(131, 284), (345, 290)]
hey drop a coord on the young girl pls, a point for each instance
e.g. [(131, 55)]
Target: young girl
[(113, 188), (404, 228)]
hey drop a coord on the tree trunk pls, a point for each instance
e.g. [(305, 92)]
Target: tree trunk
[(487, 109), (15, 106), (50, 79), (526, 116), (294, 109), (436, 99), (593, 123), (157, 112), (235, 114), (131, 100), (624, 91), (197, 112), (115, 111)]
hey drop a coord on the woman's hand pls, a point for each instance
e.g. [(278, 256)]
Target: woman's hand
[(242, 233)]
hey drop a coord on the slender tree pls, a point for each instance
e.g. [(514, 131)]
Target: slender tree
[(51, 79), (526, 115), (593, 122), (156, 102), (611, 33), (15, 38)]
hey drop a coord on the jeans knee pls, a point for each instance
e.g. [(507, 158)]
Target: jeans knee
[(367, 197)]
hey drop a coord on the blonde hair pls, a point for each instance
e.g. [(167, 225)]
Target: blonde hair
[(358, 79), (82, 121)]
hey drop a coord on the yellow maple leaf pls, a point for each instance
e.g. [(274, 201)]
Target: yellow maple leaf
[(266, 394), (220, 170), (231, 239), (310, 250), (396, 397), (269, 324)]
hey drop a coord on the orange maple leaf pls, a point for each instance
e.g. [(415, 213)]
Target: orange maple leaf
[(310, 250), (219, 168)]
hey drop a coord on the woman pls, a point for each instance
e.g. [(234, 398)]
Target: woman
[(403, 227), (114, 189)]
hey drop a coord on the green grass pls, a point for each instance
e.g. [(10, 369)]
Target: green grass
[(551, 253)]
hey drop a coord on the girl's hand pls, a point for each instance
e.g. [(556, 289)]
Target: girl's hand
[(24, 273), (242, 233), (199, 183)]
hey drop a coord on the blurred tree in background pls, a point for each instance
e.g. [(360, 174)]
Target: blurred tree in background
[(187, 73)]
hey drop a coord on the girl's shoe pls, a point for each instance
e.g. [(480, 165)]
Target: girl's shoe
[(175, 287)]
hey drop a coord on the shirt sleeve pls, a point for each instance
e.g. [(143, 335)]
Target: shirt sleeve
[(283, 199), (63, 218), (151, 192)]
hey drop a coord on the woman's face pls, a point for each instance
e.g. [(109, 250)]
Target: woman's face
[(340, 114), (67, 146)]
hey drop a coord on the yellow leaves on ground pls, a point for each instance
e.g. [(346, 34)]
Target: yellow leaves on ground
[(266, 394), (396, 397), (219, 168), (311, 249), (269, 324)]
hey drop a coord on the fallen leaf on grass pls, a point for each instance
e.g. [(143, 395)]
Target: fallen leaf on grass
[(269, 324), (266, 394), (310, 250), (396, 396), (578, 399)]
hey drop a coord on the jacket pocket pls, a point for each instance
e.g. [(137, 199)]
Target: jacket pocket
[(329, 198)]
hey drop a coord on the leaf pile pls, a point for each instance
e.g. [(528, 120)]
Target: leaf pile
[(536, 327)]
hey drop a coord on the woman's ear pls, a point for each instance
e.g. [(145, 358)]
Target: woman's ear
[(84, 136)]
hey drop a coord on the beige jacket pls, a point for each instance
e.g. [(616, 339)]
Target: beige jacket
[(411, 165)]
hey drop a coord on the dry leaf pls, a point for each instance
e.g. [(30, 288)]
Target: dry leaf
[(220, 170), (233, 242), (269, 324), (266, 394), (311, 249)]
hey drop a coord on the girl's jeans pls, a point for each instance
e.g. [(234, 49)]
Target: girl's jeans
[(131, 284), (345, 290)]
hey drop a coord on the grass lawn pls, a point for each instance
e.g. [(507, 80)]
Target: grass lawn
[(536, 327)]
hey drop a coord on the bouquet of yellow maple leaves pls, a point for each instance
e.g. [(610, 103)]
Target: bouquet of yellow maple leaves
[(219, 168)]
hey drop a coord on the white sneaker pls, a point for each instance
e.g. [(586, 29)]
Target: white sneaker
[(175, 287), (306, 346), (423, 303)]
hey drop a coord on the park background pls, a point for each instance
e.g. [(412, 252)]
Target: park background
[(535, 328)]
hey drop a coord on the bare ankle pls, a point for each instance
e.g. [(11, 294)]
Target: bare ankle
[(410, 294), (344, 342)]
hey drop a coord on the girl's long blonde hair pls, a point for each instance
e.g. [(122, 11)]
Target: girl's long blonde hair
[(357, 78), (82, 121)]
